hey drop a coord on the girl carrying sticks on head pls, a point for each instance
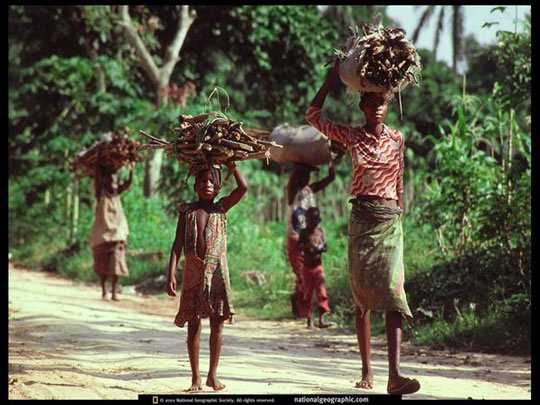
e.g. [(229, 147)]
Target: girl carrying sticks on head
[(110, 230), (206, 292), (376, 270)]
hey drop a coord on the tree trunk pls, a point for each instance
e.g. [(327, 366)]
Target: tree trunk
[(152, 172), (509, 160), (75, 213), (159, 77), (152, 167), (68, 191), (47, 197), (69, 197)]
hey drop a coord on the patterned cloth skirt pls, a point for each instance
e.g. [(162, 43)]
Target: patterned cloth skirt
[(110, 259), (376, 271), (204, 294)]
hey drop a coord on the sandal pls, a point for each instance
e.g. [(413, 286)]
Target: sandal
[(407, 386)]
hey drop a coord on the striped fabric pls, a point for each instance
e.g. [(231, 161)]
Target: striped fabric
[(377, 161)]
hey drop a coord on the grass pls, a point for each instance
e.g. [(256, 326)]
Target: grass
[(491, 333)]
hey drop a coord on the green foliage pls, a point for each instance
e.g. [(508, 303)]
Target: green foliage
[(497, 331), (273, 61), (72, 76), (514, 60)]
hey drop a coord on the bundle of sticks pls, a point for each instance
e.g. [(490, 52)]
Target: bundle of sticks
[(112, 152), (383, 56), (213, 138)]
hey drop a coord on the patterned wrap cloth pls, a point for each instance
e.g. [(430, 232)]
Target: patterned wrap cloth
[(206, 287), (108, 237), (376, 270)]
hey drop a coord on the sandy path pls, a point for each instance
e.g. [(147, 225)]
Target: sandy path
[(65, 343)]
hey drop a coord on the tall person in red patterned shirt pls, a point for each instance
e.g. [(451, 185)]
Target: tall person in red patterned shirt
[(375, 247)]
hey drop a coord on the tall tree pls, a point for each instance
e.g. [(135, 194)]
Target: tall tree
[(159, 77), (457, 30)]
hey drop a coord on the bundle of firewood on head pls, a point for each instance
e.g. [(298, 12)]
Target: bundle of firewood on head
[(113, 151), (215, 139), (379, 61)]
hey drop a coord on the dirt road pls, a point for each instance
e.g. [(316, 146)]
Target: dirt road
[(65, 343)]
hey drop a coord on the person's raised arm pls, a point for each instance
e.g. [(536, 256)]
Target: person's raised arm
[(313, 116), (176, 251), (292, 187), (124, 186), (330, 81), (241, 187), (322, 184)]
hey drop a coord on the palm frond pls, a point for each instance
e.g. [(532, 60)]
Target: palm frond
[(438, 31), (423, 20)]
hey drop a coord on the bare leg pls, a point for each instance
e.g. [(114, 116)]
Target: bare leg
[(393, 335), (193, 344), (363, 333), (322, 300), (114, 281), (216, 340), (102, 280)]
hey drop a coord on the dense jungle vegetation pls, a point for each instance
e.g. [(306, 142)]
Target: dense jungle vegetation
[(73, 76)]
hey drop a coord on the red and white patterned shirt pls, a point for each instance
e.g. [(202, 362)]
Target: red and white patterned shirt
[(377, 161)]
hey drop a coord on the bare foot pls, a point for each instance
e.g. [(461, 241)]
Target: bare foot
[(195, 386), (105, 297), (215, 384), (402, 385), (366, 383)]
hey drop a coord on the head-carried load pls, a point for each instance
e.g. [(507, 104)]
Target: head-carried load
[(380, 60), (112, 151), (213, 138)]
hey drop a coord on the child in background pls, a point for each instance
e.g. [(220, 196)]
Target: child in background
[(206, 293), (312, 244), (301, 196)]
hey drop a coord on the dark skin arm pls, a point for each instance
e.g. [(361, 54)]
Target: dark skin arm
[(292, 188), (241, 187), (322, 184), (124, 186), (176, 251), (332, 80)]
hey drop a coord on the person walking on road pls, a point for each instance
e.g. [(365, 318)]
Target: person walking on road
[(375, 247)]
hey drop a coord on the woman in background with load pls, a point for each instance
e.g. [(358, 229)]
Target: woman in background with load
[(110, 229), (375, 231), (300, 197)]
